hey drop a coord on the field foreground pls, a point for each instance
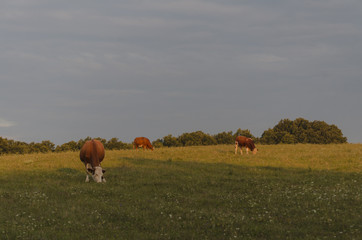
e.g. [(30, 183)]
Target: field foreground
[(283, 192)]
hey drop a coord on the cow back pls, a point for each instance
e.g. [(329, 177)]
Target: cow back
[(92, 152), (142, 141), (241, 140)]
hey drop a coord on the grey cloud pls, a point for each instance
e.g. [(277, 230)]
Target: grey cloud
[(166, 67), (5, 123)]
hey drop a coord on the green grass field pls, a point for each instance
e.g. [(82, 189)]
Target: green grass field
[(283, 192)]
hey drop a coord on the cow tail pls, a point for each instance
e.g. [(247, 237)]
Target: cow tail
[(95, 160)]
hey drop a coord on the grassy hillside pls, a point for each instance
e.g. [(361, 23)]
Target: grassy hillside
[(283, 192)]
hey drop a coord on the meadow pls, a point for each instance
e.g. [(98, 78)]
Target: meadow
[(283, 192)]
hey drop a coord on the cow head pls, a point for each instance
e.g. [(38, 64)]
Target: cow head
[(97, 174), (255, 150)]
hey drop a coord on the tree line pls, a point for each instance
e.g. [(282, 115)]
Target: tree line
[(286, 131), (8, 146)]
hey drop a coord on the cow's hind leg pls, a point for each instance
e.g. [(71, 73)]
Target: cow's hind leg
[(87, 178), (236, 147)]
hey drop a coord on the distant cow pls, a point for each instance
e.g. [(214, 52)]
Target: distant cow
[(248, 143), (142, 142), (92, 154)]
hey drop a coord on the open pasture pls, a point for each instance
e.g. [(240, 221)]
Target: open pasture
[(282, 192)]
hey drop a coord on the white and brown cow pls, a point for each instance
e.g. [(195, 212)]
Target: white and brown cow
[(92, 154), (248, 143)]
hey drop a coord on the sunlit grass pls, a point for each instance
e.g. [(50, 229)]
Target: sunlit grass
[(338, 157), (282, 192)]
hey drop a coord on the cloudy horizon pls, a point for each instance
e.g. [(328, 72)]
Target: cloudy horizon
[(72, 69)]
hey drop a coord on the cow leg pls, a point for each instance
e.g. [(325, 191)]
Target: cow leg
[(236, 147), (87, 165), (241, 150), (247, 150)]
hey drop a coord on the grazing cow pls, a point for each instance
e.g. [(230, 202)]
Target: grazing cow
[(142, 142), (248, 143), (92, 154)]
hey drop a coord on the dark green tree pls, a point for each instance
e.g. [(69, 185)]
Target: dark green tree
[(69, 146), (288, 138), (303, 131), (269, 137), (225, 138), (196, 139), (170, 141), (157, 143), (113, 144)]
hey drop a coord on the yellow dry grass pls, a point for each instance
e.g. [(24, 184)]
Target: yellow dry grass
[(333, 157)]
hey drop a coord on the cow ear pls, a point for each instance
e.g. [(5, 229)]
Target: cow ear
[(103, 170), (91, 170)]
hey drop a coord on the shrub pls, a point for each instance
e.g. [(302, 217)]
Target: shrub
[(303, 131)]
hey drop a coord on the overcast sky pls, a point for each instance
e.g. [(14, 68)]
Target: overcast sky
[(76, 68)]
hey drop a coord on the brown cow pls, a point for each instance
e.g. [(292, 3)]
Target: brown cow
[(92, 154), (142, 142), (248, 143)]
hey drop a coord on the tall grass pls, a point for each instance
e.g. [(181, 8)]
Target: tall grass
[(283, 192)]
